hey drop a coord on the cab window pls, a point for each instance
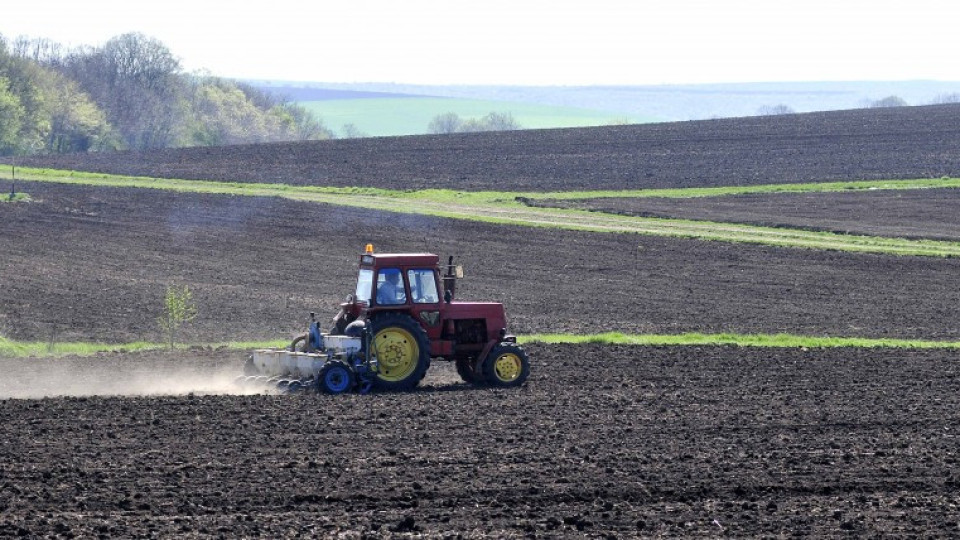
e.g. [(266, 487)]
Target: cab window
[(390, 287), (423, 286), (364, 284)]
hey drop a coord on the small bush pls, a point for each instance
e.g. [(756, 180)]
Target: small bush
[(16, 197), (178, 308)]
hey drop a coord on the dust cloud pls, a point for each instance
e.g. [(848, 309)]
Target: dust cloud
[(150, 374)]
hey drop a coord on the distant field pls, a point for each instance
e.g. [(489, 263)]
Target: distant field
[(911, 213), (411, 116), (664, 102), (866, 144)]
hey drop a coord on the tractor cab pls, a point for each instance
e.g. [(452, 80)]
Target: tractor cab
[(398, 280), (411, 283)]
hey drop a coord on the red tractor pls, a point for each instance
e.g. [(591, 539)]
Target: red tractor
[(402, 314)]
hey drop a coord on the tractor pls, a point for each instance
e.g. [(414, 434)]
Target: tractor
[(402, 314)]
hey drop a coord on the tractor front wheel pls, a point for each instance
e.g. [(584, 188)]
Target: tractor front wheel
[(507, 365), (402, 350), (335, 378)]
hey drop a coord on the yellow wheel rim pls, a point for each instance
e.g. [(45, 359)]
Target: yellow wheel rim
[(507, 367), (397, 354)]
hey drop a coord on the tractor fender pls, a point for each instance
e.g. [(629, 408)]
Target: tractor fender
[(484, 353)]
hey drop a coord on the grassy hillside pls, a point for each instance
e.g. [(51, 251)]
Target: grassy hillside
[(411, 115)]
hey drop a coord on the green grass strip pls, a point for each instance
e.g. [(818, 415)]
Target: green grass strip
[(809, 187), (17, 198), (474, 197), (742, 340), (503, 208), (17, 349), (449, 195)]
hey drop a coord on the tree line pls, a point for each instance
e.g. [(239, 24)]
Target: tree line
[(131, 93), (889, 101), (451, 122)]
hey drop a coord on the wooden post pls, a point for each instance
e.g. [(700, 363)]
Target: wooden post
[(13, 176)]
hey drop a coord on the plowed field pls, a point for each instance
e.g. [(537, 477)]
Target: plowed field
[(601, 440), (911, 213), (905, 142), (93, 263), (621, 441)]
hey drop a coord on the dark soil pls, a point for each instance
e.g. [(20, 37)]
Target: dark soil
[(93, 263), (904, 142), (916, 213), (623, 441), (601, 441)]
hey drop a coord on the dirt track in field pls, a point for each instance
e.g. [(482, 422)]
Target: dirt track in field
[(689, 441), (911, 213), (905, 142)]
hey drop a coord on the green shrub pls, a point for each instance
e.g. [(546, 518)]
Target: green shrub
[(178, 308)]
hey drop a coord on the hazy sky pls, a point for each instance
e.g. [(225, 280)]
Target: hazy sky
[(524, 42)]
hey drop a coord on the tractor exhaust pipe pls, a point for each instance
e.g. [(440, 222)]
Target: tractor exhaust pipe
[(449, 281)]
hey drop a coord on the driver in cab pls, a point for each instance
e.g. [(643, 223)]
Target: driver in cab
[(390, 288)]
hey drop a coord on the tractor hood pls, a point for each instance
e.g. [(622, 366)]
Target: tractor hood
[(492, 312)]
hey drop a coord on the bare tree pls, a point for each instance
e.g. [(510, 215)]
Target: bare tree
[(472, 125), (351, 131), (773, 110), (451, 123), (499, 122), (445, 123), (43, 51), (136, 80), (942, 99), (889, 101)]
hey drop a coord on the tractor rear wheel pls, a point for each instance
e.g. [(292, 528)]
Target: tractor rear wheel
[(402, 350), (507, 365)]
